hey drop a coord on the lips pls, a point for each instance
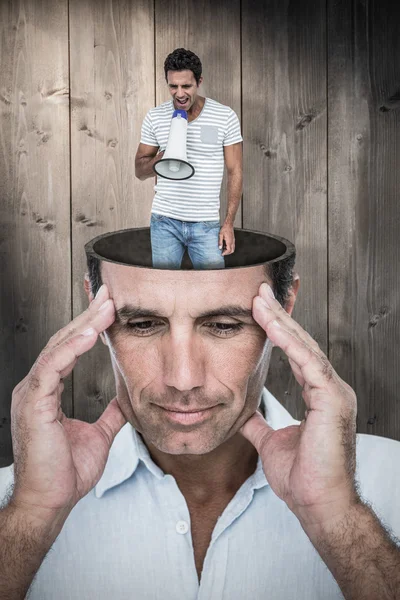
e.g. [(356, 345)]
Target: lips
[(181, 410), (187, 417)]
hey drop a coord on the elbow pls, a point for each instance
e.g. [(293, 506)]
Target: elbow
[(138, 175)]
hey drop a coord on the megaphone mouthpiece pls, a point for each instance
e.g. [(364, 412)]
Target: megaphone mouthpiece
[(174, 164)]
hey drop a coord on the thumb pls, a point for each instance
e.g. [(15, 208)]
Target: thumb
[(220, 239), (111, 421), (257, 431)]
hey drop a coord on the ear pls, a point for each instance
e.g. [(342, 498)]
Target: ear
[(294, 288), (200, 81)]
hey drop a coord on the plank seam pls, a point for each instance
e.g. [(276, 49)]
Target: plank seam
[(70, 194)]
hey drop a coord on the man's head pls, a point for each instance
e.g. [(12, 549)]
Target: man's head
[(186, 341), (182, 70)]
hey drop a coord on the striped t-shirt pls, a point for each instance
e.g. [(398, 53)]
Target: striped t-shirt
[(197, 198)]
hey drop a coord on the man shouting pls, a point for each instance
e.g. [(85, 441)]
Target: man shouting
[(185, 214)]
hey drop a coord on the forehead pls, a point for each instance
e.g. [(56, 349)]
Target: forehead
[(180, 77), (181, 291)]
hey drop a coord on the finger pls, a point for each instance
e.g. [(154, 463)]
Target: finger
[(111, 421), (50, 368), (99, 321), (313, 364), (257, 431), (81, 322), (297, 372), (267, 295), (220, 240)]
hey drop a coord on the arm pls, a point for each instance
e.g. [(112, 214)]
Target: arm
[(311, 466), (145, 158), (25, 539), (361, 555), (57, 460), (234, 165)]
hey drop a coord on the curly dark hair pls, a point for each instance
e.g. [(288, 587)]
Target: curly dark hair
[(182, 60)]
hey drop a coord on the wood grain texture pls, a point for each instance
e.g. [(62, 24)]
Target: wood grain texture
[(364, 216), (285, 187), (212, 31), (112, 87), (35, 299)]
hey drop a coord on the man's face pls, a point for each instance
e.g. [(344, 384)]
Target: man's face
[(187, 380), (183, 88)]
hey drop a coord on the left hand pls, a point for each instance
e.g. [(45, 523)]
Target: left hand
[(310, 466), (226, 233)]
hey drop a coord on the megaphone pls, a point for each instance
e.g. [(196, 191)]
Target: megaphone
[(174, 163)]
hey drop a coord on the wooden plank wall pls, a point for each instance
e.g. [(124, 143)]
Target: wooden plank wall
[(284, 128), (363, 206), (316, 87), (35, 252)]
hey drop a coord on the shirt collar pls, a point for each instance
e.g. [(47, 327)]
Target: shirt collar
[(128, 449)]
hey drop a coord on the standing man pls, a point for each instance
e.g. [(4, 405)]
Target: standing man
[(185, 214)]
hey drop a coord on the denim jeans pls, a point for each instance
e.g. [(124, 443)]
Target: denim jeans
[(170, 237)]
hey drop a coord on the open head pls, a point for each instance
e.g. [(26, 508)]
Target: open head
[(190, 361)]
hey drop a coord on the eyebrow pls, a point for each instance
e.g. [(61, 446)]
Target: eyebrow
[(133, 312)]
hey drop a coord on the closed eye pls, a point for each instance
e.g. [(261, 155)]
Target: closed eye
[(143, 328)]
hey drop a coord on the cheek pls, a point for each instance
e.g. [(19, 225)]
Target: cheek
[(232, 361), (239, 357)]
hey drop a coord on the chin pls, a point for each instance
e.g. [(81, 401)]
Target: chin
[(182, 448), (195, 442)]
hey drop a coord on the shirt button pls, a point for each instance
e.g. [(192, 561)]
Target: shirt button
[(182, 527)]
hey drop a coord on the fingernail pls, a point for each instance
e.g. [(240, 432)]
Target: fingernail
[(268, 290), (105, 305), (89, 331), (98, 291), (275, 323)]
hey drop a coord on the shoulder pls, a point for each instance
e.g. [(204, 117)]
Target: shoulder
[(222, 109), (382, 453), (378, 476), (161, 111), (6, 482)]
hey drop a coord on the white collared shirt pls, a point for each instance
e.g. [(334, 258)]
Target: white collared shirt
[(130, 537)]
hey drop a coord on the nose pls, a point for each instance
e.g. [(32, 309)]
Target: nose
[(184, 367)]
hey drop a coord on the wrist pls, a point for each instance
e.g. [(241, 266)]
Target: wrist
[(321, 523), (45, 522)]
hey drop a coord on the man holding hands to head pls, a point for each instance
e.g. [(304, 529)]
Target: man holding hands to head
[(211, 489), (185, 214)]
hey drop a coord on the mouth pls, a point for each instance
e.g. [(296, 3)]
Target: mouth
[(182, 103), (187, 417)]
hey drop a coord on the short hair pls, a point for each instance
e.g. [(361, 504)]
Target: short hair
[(279, 272), (182, 60)]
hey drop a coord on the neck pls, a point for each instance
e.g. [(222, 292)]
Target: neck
[(197, 107), (218, 473)]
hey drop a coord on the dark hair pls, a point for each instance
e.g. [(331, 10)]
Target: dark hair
[(279, 272), (182, 60)]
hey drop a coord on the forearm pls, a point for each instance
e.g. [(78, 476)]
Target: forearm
[(24, 542), (235, 186), (361, 555), (144, 167)]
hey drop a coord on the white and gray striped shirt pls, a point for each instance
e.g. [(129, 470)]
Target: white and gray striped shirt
[(197, 198)]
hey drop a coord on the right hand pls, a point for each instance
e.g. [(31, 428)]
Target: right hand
[(58, 460)]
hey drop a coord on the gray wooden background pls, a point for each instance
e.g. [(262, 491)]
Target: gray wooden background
[(317, 88)]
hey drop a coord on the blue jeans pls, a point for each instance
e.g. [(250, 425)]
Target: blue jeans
[(170, 237)]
